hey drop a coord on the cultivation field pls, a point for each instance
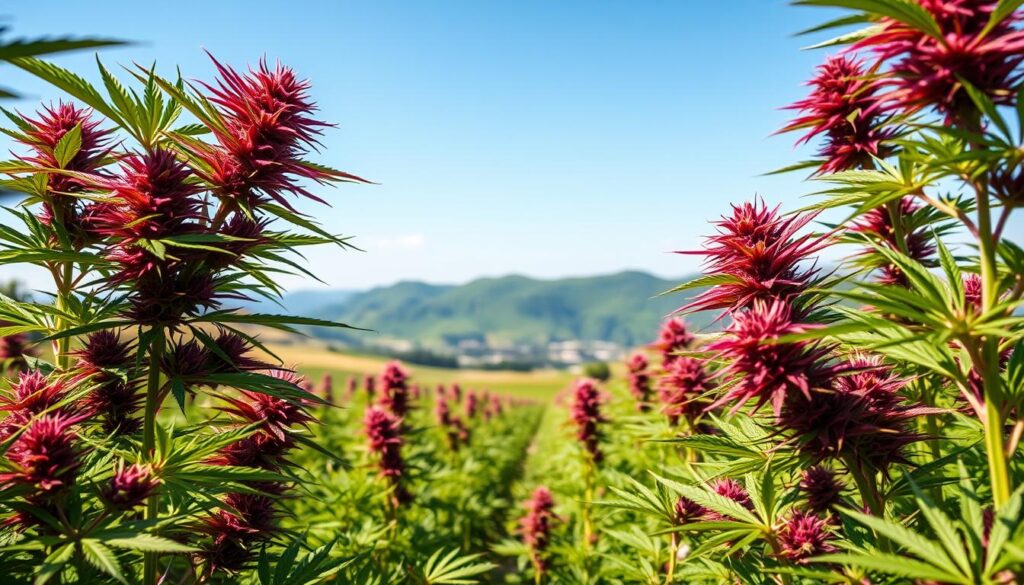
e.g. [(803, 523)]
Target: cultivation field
[(315, 359)]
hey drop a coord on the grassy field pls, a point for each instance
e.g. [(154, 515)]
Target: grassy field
[(314, 359)]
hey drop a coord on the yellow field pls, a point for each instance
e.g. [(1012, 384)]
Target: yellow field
[(314, 359)]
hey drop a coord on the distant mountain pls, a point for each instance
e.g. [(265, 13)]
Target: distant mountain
[(621, 308), (304, 303)]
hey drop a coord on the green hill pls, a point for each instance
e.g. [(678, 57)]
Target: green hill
[(622, 308)]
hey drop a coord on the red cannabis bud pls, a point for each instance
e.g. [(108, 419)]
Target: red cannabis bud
[(227, 549), (116, 400), (370, 385), (843, 108), (1007, 184), (130, 487), (154, 197), (45, 456), (350, 387), (235, 354), (243, 235), (821, 487), (673, 338), (930, 70), (472, 405), (972, 291), (639, 381), (759, 255), (42, 136), (384, 431), (769, 371), (15, 349), (586, 413), (257, 512), (268, 129), (729, 488), (394, 388), (103, 350), (167, 296), (460, 431), (30, 396), (804, 535), (114, 397), (536, 526), (326, 388), (682, 387), (187, 360), (442, 412), (492, 407), (686, 511), (276, 416), (878, 224), (861, 418), (259, 450)]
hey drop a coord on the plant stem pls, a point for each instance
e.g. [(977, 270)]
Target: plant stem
[(588, 495), (868, 488), (896, 217), (673, 550), (989, 367), (63, 292), (156, 350)]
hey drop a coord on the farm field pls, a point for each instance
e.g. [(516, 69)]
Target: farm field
[(314, 359)]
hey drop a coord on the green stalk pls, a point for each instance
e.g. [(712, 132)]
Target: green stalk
[(156, 350), (673, 550), (999, 472), (588, 528), (895, 216), (63, 272), (868, 488)]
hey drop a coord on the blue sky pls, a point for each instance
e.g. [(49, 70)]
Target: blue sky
[(542, 138)]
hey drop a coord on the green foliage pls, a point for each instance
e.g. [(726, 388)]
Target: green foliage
[(599, 371)]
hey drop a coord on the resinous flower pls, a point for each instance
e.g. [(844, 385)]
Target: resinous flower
[(673, 338), (131, 486), (843, 108), (639, 381), (268, 127), (861, 419), (384, 432), (586, 413), (929, 68), (682, 387), (769, 370), (46, 456), (31, 395), (878, 225), (536, 525), (803, 536), (821, 487), (394, 387), (759, 255)]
